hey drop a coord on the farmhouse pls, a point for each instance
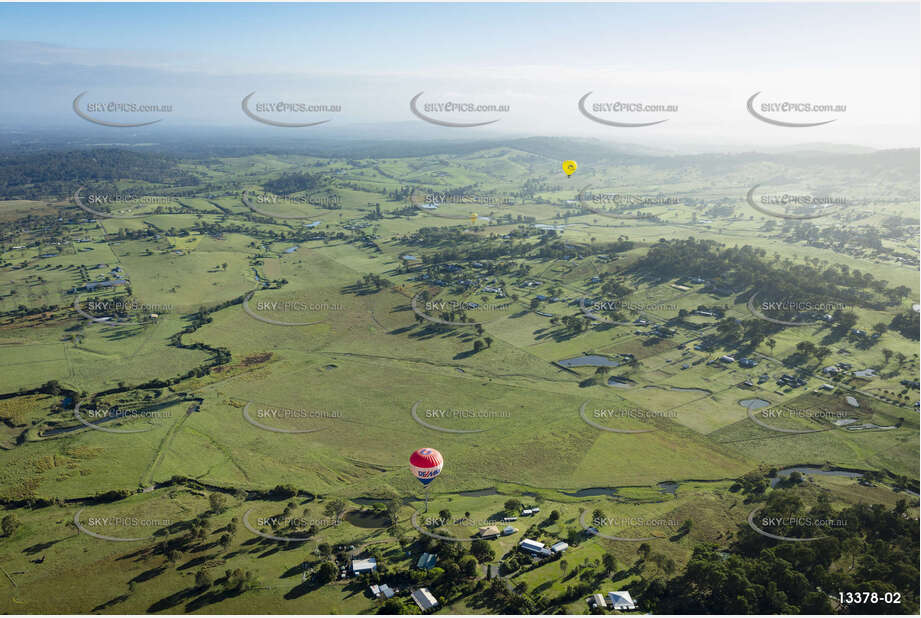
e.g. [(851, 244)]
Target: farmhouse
[(424, 599), (384, 590), (621, 600), (365, 565), (426, 561), (488, 532), (791, 381), (102, 284), (533, 547)]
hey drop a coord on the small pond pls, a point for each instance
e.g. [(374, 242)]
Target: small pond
[(591, 360)]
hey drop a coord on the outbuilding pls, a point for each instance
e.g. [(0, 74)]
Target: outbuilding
[(424, 599)]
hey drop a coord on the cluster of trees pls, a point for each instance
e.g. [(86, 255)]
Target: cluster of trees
[(573, 324), (373, 281), (293, 235), (748, 268), (34, 176), (850, 239), (481, 344), (457, 243), (10, 524), (293, 182), (402, 193), (196, 535), (235, 581), (906, 324), (876, 550)]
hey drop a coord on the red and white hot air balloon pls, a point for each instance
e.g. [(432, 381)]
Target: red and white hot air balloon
[(426, 464)]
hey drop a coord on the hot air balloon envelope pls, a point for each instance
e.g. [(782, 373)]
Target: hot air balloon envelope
[(426, 464), (569, 167)]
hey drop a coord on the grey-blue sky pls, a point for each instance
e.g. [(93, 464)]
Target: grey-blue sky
[(384, 37), (537, 58)]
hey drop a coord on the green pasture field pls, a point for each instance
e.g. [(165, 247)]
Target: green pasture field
[(334, 399)]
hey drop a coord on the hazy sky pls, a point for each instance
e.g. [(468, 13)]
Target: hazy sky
[(538, 59)]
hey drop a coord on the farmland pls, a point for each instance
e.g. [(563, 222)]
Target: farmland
[(185, 377)]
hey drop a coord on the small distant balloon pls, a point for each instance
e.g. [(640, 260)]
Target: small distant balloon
[(426, 464), (569, 167), (473, 218)]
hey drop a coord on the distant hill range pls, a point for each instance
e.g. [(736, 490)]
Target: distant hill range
[(48, 169)]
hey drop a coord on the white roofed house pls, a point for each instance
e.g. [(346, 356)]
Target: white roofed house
[(364, 566), (424, 599), (621, 600), (384, 590), (530, 545)]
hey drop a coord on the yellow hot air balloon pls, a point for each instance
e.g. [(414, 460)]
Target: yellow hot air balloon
[(570, 168), (473, 218)]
